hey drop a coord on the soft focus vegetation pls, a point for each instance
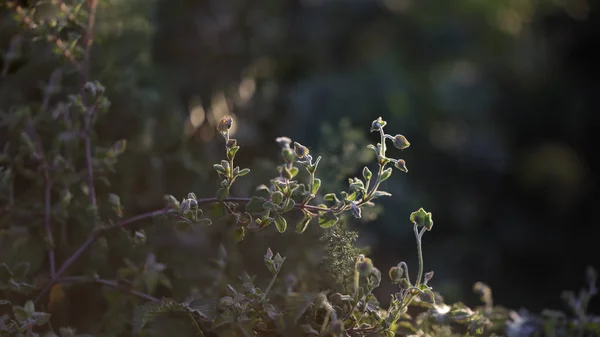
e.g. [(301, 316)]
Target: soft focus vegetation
[(148, 186)]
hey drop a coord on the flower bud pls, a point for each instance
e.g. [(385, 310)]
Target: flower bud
[(231, 143), (400, 142), (284, 142), (300, 150), (377, 124), (224, 124), (400, 164), (396, 274), (364, 265)]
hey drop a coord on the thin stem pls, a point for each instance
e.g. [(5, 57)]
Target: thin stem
[(109, 283), (418, 236), (85, 69), (91, 239), (89, 39), (271, 283), (47, 219)]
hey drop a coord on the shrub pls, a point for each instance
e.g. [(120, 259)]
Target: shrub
[(64, 233)]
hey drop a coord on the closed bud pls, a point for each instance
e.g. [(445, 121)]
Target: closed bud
[(396, 274), (231, 143), (224, 124), (300, 150), (400, 142), (400, 164), (364, 265), (284, 142), (377, 124), (288, 155)]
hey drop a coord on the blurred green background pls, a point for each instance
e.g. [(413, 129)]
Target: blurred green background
[(499, 99)]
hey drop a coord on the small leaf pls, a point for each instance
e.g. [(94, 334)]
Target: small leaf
[(220, 169), (328, 220), (29, 307), (303, 224), (171, 201), (294, 171), (222, 193), (120, 146), (289, 205), (239, 233), (277, 197), (378, 194), (231, 153), (330, 197), (269, 205), (41, 318), (386, 174), (243, 172), (367, 173), (316, 186), (280, 223), (205, 222), (255, 205), (422, 218), (21, 315)]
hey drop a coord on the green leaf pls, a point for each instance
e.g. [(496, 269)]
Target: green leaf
[(205, 222), (243, 172), (277, 197), (378, 194), (386, 174), (29, 307), (41, 318), (222, 193), (328, 219), (171, 201), (303, 224), (269, 205), (294, 171), (280, 223), (316, 186), (120, 146), (239, 233), (330, 197), (21, 315), (289, 205), (422, 218), (220, 169), (367, 173), (255, 205), (231, 152)]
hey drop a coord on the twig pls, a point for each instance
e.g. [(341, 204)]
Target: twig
[(100, 231), (91, 239), (85, 69), (47, 220), (109, 283)]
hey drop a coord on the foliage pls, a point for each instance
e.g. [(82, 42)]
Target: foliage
[(64, 231)]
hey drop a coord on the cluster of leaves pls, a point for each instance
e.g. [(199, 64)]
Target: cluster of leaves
[(51, 150)]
